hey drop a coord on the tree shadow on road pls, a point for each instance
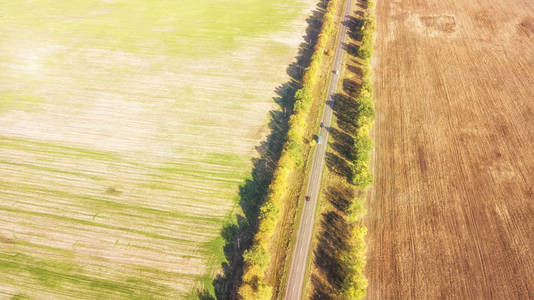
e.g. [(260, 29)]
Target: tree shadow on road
[(238, 235)]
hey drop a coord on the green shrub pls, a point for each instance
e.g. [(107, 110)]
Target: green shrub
[(256, 256), (362, 148), (355, 283), (362, 175), (353, 256)]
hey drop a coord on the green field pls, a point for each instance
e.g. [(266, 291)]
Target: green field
[(126, 128)]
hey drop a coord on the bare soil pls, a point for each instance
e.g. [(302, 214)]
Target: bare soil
[(452, 213)]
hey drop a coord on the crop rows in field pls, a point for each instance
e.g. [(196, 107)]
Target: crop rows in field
[(126, 128)]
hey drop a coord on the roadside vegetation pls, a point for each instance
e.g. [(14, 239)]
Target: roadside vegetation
[(353, 256), (257, 259), (365, 112), (339, 255)]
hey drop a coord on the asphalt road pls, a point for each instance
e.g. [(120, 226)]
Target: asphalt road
[(302, 245)]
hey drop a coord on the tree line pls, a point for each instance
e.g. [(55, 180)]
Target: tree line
[(352, 256), (258, 257)]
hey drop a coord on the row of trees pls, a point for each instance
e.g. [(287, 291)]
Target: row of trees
[(365, 112), (353, 255), (258, 257)]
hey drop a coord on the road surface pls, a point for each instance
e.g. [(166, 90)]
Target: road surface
[(304, 235)]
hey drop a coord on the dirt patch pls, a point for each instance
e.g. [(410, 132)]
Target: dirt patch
[(526, 27), (431, 25), (444, 23)]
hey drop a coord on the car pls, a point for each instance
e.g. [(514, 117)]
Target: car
[(307, 198), (336, 72), (322, 124), (319, 140)]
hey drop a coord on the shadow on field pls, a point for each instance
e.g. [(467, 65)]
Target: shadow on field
[(345, 105), (238, 236), (341, 143), (327, 279)]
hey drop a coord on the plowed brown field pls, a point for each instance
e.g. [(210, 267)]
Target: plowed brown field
[(452, 213)]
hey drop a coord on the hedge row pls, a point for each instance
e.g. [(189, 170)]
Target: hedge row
[(258, 257), (353, 256), (365, 112)]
